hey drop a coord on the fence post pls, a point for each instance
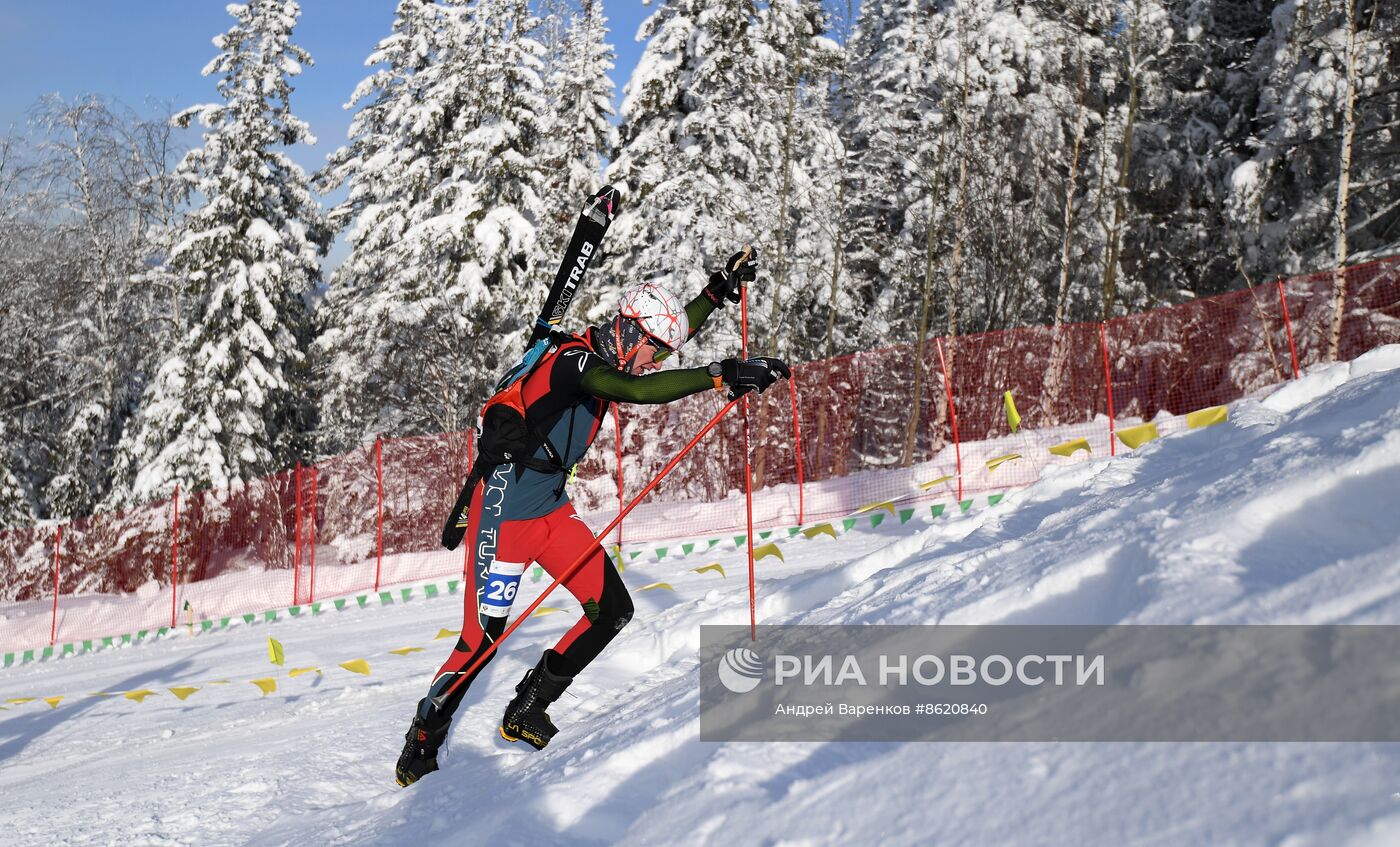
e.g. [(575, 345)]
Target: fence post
[(174, 555), (296, 556), (379, 533), (953, 414), (617, 430), (1288, 324), (314, 474), (57, 543), (1108, 388), (796, 441)]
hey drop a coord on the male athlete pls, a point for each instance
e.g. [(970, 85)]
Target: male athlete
[(520, 512)]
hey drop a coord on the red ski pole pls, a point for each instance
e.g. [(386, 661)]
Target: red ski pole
[(748, 470), (584, 556)]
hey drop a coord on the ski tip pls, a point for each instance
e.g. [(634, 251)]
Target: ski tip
[(610, 198)]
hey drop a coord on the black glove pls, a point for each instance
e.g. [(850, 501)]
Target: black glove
[(758, 373), (725, 283)]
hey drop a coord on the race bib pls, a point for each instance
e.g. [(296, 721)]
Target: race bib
[(502, 581)]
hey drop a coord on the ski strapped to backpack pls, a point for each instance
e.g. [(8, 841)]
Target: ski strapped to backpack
[(593, 222), (507, 434)]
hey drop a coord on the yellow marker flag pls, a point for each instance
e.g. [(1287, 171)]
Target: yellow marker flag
[(404, 651), (296, 672), (183, 691), (819, 529), (1013, 418), (769, 549), (267, 686), (870, 507), (356, 666), (664, 585), (447, 633), (219, 682), (713, 566), (545, 610), (138, 696), (931, 483), (1136, 436), (274, 652), (20, 701), (1069, 448), (993, 464), (53, 701), (1207, 417), (103, 694)]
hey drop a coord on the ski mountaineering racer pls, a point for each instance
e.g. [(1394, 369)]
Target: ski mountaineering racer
[(520, 513)]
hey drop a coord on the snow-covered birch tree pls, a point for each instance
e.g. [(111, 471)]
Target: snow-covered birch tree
[(1321, 185)]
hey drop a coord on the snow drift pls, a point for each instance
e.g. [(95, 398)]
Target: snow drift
[(1285, 514)]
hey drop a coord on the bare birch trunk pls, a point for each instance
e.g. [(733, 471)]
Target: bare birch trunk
[(911, 432), (1339, 286), (1115, 233), (959, 213), (1055, 377)]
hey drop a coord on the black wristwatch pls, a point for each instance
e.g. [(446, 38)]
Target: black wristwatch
[(716, 372)]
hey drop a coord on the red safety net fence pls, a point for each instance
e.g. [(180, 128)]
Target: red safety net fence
[(903, 426)]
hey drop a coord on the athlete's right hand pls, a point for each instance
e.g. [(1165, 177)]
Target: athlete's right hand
[(752, 374)]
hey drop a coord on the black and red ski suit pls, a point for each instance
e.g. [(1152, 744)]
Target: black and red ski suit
[(520, 515)]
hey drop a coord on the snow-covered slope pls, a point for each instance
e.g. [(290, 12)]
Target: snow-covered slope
[(1286, 514)]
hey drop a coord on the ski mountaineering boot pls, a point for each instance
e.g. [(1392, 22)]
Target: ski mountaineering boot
[(420, 749), (525, 718)]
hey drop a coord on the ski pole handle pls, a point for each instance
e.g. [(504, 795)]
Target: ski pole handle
[(588, 552), (734, 269)]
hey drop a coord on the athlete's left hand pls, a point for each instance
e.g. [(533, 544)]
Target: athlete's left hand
[(725, 284)]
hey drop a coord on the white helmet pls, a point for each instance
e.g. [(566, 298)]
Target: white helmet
[(658, 313)]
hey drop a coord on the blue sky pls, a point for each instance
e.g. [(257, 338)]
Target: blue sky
[(138, 49)]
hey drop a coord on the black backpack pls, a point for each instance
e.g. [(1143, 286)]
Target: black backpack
[(507, 434)]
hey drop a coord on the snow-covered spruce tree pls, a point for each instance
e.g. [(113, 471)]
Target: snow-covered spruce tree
[(718, 128), (959, 111), (445, 181), (578, 134), (898, 131), (231, 402), (866, 214), (1132, 83), (794, 214), (1192, 137), (684, 182), (16, 506), (797, 216), (655, 224), (894, 121), (392, 165)]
